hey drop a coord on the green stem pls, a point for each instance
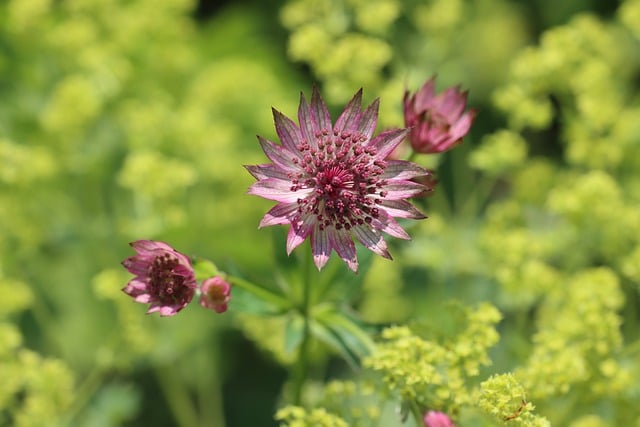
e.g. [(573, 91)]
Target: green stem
[(258, 291), (478, 198), (417, 413), (302, 364), (177, 397)]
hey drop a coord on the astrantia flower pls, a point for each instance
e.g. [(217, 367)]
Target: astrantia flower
[(164, 277), (437, 419), (215, 294), (335, 183), (437, 122)]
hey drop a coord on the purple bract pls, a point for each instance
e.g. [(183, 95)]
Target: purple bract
[(334, 183)]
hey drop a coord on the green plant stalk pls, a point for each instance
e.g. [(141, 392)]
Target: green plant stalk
[(301, 367), (258, 291), (177, 397)]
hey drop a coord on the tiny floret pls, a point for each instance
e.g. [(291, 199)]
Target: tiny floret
[(437, 122), (216, 293), (164, 277), (335, 182)]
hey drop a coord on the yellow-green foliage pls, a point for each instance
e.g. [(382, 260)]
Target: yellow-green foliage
[(578, 339), (505, 399), (499, 153), (435, 373), (295, 416), (126, 119), (358, 403), (36, 390)]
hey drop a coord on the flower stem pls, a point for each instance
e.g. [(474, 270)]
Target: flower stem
[(302, 364), (258, 291), (177, 397)]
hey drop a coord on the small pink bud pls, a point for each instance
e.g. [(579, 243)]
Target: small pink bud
[(437, 419), (215, 294)]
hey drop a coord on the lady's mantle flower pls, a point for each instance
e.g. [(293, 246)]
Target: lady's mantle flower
[(437, 122), (437, 419), (215, 294), (164, 277), (334, 183)]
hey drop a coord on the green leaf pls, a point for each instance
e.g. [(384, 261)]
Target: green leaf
[(294, 333), (262, 297), (333, 340), (342, 333), (204, 268)]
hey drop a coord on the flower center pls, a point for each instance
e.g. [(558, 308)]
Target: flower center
[(345, 177), (164, 283)]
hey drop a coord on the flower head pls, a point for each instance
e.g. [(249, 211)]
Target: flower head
[(334, 183), (164, 277), (215, 294), (437, 122), (437, 419)]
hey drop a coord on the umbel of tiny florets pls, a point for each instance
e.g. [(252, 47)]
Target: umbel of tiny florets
[(334, 183), (164, 277)]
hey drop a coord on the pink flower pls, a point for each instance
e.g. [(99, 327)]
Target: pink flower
[(164, 277), (335, 183), (437, 122), (215, 294), (437, 419)]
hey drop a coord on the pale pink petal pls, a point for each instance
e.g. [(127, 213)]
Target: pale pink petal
[(398, 190), (390, 226), (462, 126), (319, 111), (369, 119), (278, 190), (267, 171), (343, 244), (320, 247), (424, 97), (387, 141), (307, 122), (145, 247), (401, 209), (372, 240), (287, 131), (279, 214), (298, 232), (401, 169), (350, 117), (278, 154)]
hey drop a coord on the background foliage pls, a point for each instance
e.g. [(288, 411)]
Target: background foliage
[(123, 120)]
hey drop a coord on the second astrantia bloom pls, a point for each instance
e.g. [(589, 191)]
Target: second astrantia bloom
[(437, 122), (334, 183), (164, 277)]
